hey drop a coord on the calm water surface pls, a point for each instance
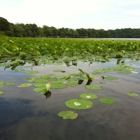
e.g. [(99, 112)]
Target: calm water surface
[(27, 115)]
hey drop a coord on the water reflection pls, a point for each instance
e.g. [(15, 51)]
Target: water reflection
[(48, 94), (26, 115), (13, 110)]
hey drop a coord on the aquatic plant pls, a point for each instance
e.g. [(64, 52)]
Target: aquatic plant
[(68, 115), (9, 83), (1, 92), (24, 85), (79, 104), (48, 86), (93, 87), (107, 100), (88, 96), (31, 72), (132, 94)]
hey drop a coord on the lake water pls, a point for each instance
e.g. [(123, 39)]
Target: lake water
[(27, 115)]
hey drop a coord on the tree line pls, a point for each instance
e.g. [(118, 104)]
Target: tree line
[(32, 30)]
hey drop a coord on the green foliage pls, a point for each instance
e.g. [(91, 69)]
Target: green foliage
[(79, 104), (107, 100), (93, 87), (132, 94), (88, 96), (24, 85), (31, 72), (1, 92), (9, 83), (68, 115)]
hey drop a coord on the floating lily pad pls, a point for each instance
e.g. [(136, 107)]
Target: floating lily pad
[(133, 94), (39, 85), (24, 85), (59, 71), (58, 82), (39, 80), (68, 115), (94, 87), (58, 86), (1, 92), (73, 83), (1, 83), (109, 77), (107, 100), (79, 104), (9, 84), (41, 90), (61, 77), (31, 72), (88, 96)]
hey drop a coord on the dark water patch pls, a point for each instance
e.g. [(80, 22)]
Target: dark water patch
[(12, 110)]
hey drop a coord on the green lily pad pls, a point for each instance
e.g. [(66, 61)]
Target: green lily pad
[(31, 72), (94, 87), (9, 84), (79, 104), (133, 94), (58, 82), (1, 92), (1, 83), (72, 83), (68, 115), (109, 77), (39, 80), (58, 86), (24, 85), (58, 70), (88, 96), (107, 100), (41, 90), (39, 85)]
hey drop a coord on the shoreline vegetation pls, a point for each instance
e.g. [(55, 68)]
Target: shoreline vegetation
[(68, 50), (32, 30)]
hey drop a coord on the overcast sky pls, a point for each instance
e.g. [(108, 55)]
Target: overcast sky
[(97, 14)]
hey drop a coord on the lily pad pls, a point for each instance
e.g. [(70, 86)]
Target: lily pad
[(109, 77), (94, 87), (88, 96), (31, 72), (1, 83), (24, 85), (59, 71), (9, 84), (133, 94), (107, 100), (68, 115), (58, 86), (72, 83), (1, 92), (79, 104), (39, 85), (41, 90)]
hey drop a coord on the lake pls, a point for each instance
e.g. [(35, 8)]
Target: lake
[(28, 115)]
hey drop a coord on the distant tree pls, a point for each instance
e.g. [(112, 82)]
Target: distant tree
[(4, 24)]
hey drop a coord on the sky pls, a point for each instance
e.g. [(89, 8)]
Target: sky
[(74, 14)]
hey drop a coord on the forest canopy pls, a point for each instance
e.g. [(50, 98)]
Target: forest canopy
[(32, 30)]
